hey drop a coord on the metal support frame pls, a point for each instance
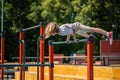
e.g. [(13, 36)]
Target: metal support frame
[(89, 41)]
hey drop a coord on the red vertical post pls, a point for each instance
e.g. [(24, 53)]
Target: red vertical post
[(21, 48), (51, 60), (42, 42), (90, 58), (2, 54)]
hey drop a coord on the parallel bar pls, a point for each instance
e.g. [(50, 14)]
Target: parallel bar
[(17, 65), (26, 29), (64, 42)]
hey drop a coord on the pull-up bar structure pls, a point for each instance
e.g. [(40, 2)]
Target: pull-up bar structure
[(89, 55), (41, 51), (64, 42), (41, 43)]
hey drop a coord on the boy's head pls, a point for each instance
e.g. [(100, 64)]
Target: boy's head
[(51, 29)]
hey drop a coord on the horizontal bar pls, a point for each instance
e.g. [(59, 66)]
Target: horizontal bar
[(10, 71), (69, 57), (26, 29), (64, 42), (17, 65)]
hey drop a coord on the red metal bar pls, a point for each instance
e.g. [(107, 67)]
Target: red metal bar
[(21, 47), (2, 54), (90, 59), (51, 60), (42, 42)]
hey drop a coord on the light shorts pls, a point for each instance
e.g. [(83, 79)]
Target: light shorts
[(80, 28)]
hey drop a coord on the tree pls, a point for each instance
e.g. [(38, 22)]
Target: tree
[(15, 13)]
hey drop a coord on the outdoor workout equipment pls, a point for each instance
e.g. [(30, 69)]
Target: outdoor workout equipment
[(89, 55), (40, 54)]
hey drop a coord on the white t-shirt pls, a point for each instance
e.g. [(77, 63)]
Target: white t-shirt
[(66, 29)]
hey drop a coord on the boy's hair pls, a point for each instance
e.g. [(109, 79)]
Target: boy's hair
[(50, 28)]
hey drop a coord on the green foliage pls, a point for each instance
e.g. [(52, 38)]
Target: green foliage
[(18, 14)]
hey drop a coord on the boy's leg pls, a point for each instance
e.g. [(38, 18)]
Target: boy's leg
[(108, 34), (98, 30)]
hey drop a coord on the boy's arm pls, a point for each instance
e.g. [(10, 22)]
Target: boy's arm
[(68, 38), (74, 35)]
